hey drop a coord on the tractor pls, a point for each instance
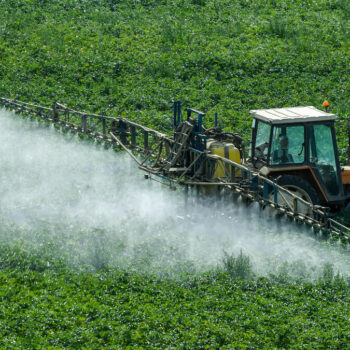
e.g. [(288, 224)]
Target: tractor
[(297, 148), (294, 147)]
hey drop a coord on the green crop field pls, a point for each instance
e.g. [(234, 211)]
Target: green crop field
[(132, 59), (54, 307)]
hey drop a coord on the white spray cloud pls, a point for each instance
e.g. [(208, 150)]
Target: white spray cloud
[(95, 207)]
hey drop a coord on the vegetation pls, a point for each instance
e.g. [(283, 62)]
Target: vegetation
[(132, 58), (46, 305), (238, 267)]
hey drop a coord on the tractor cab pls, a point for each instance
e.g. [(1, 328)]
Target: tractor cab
[(299, 142)]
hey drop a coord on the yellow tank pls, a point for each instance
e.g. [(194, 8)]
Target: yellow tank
[(224, 150)]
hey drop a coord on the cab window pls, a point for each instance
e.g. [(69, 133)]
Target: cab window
[(322, 155), (288, 145), (262, 140)]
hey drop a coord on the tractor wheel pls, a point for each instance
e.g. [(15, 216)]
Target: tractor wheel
[(300, 188)]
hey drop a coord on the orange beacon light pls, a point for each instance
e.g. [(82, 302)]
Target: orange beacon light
[(325, 104)]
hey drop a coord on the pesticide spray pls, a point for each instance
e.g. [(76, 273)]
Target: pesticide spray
[(91, 206)]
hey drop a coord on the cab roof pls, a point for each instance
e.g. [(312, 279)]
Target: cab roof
[(292, 115)]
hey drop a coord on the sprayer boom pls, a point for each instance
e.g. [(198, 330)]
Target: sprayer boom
[(207, 160)]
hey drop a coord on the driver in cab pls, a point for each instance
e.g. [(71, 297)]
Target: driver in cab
[(281, 154)]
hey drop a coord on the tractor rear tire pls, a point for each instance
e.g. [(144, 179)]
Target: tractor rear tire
[(294, 183), (300, 188)]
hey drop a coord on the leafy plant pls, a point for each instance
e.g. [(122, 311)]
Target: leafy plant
[(238, 267)]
